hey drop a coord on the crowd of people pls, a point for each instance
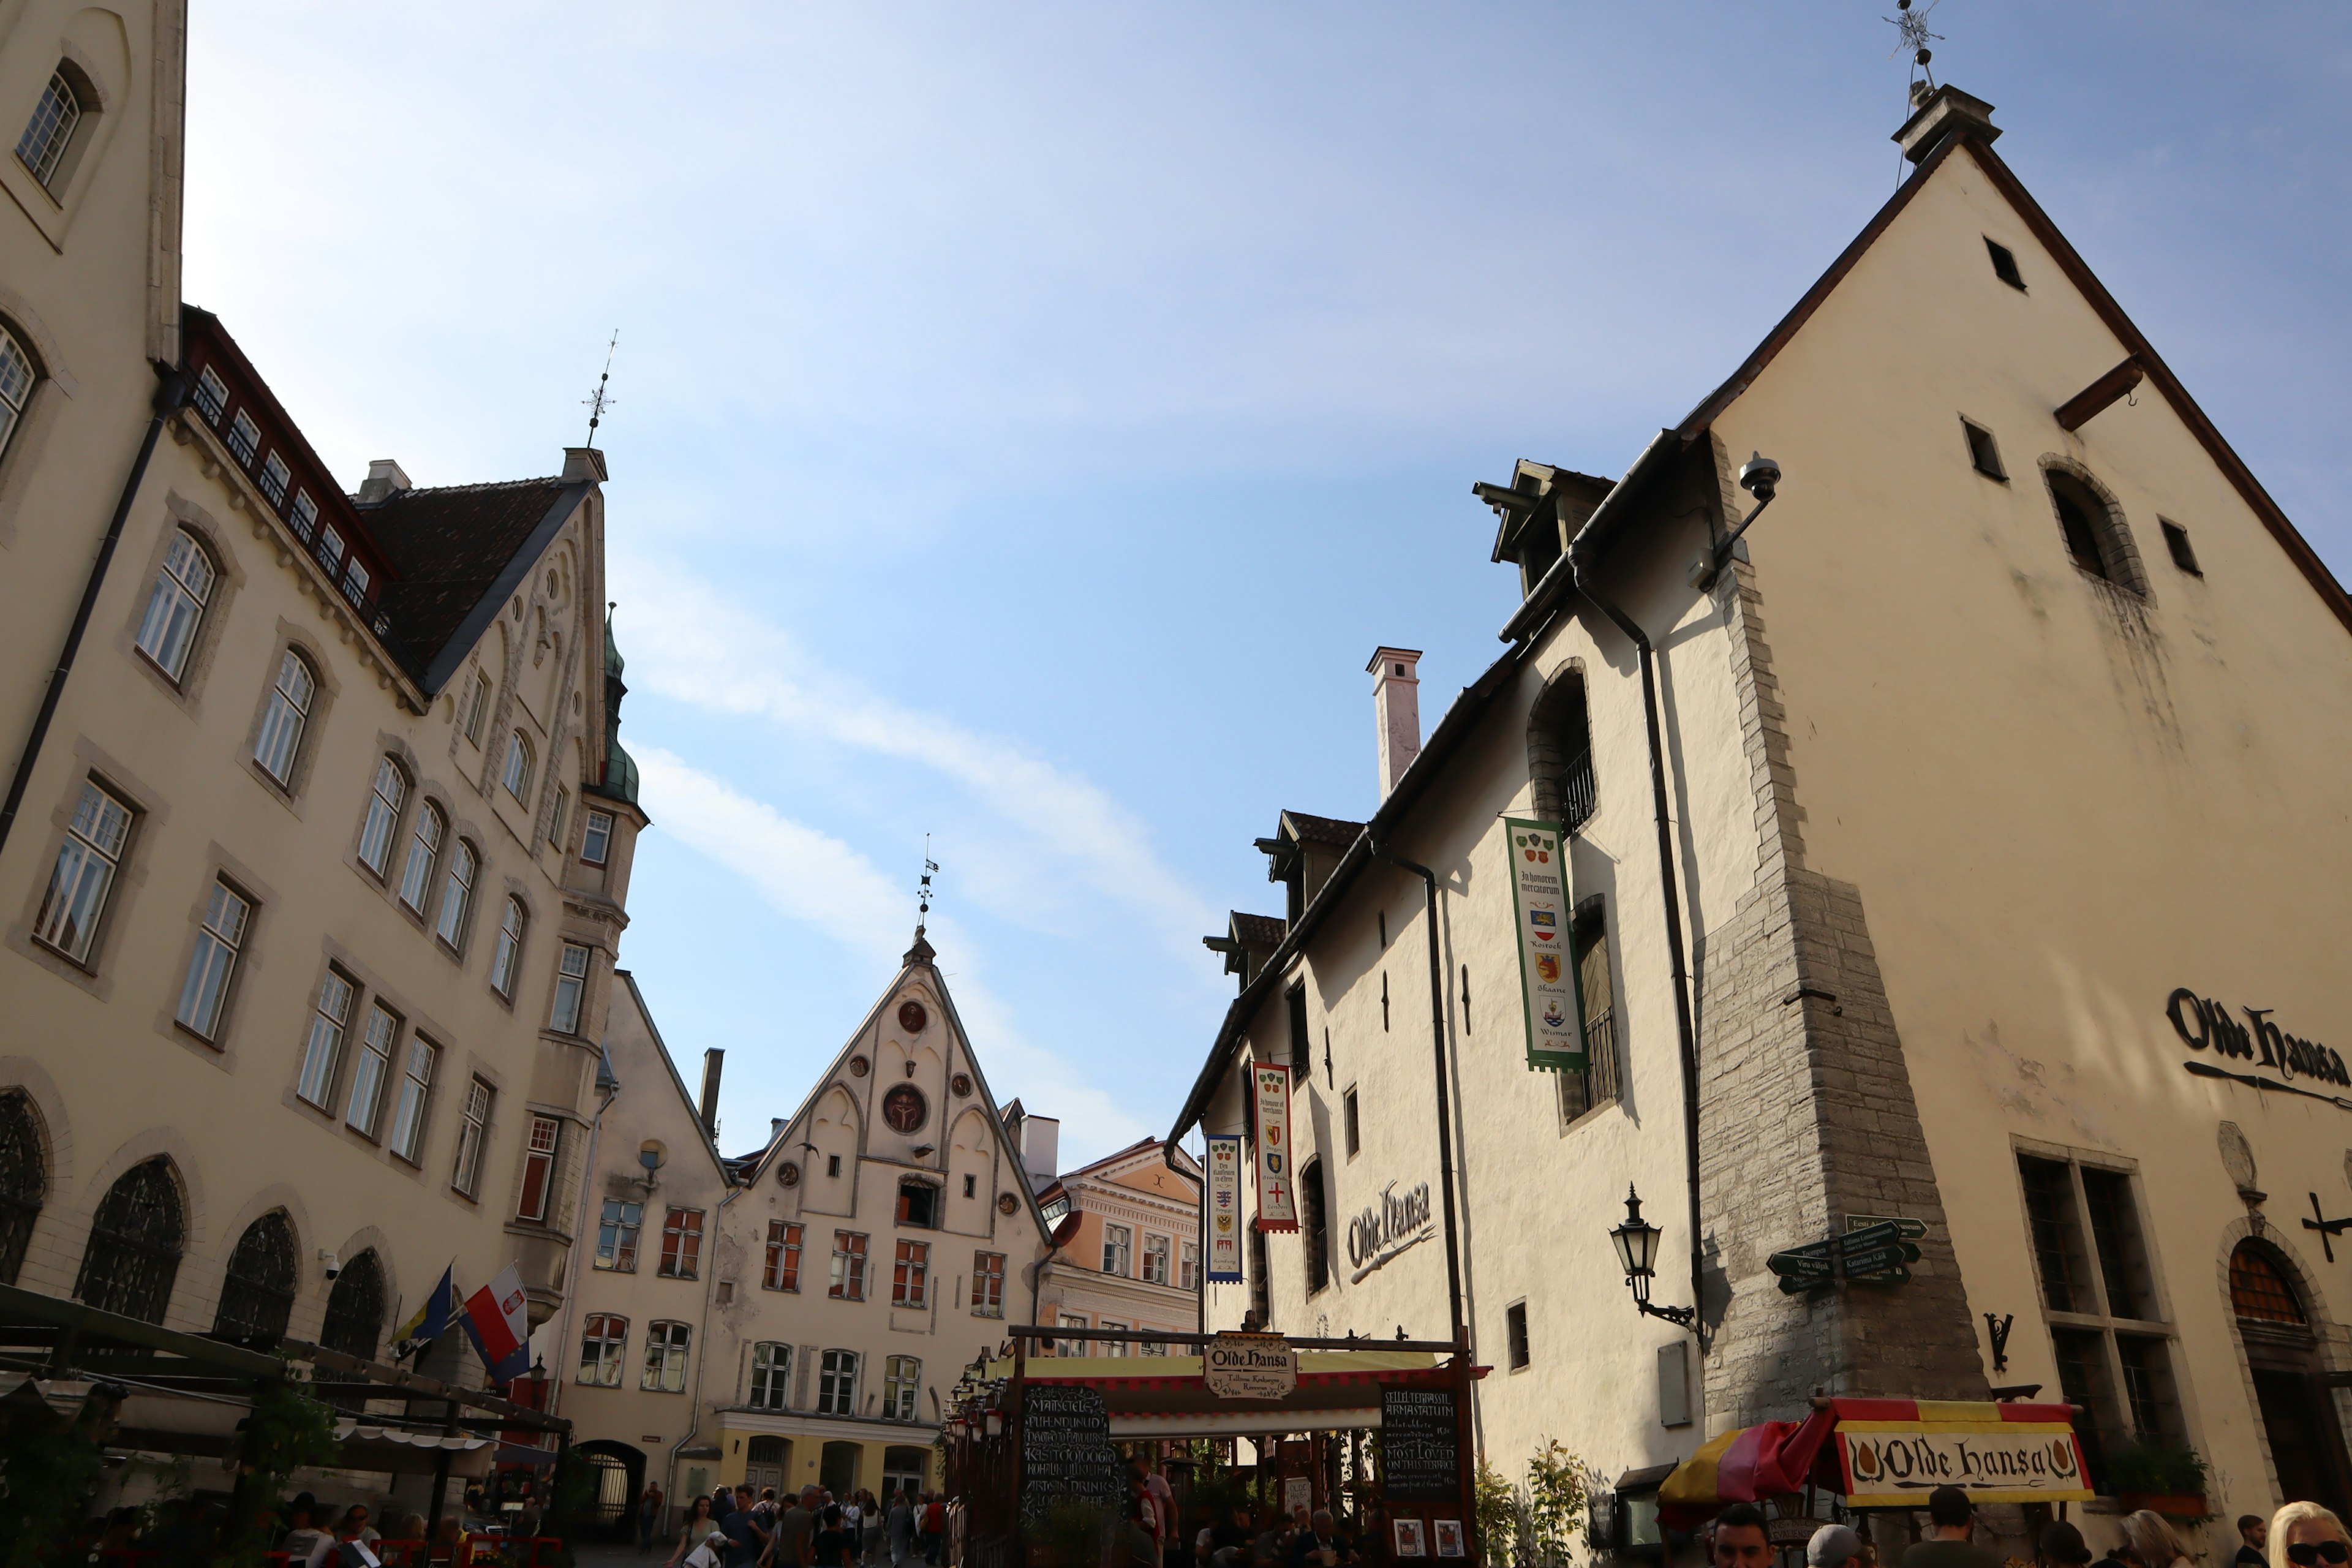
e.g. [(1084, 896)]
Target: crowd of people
[(736, 1527)]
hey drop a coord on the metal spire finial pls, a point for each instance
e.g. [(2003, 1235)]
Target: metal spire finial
[(1913, 26), (923, 904), (599, 400)]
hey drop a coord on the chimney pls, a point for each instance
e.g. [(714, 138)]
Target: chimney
[(1041, 1149), (712, 1060), (584, 465), (775, 1128), (1396, 710), (386, 479), (1938, 114)]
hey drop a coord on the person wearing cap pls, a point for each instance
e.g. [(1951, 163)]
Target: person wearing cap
[(1832, 1546), (1951, 1520)]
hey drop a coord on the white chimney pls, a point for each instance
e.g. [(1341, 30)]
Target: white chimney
[(385, 478), (1041, 1149), (1396, 709)]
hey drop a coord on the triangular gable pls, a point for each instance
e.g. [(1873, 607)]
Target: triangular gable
[(686, 1097), (1141, 1154)]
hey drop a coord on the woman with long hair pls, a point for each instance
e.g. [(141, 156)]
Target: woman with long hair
[(698, 1524), (2149, 1541), (2306, 1535)]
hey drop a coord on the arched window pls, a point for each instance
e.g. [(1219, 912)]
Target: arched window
[(258, 1295), (135, 1245), (2259, 1292), (24, 1180), (17, 378), (456, 893), (1559, 753), (175, 605), (389, 789), (355, 1308), (50, 131), (424, 849), (519, 765), (508, 960), (280, 741), (2096, 536)]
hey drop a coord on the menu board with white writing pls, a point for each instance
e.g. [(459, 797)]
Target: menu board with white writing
[(1421, 1439), (1066, 1450)]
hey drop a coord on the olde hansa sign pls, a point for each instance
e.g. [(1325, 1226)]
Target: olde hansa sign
[(1898, 1463), (2205, 1024), (1249, 1366)]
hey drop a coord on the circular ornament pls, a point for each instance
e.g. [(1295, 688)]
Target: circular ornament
[(914, 1017), (962, 1084), (1006, 1202), (788, 1174), (857, 1066), (904, 1109)]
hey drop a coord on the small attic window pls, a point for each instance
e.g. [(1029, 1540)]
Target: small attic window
[(1984, 452), (2184, 554), (2004, 264)]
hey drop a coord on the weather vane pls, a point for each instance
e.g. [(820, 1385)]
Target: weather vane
[(1912, 25), (598, 401), (930, 870)]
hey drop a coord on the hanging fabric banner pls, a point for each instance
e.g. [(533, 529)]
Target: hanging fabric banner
[(1277, 1206), (1225, 1209), (1549, 982)]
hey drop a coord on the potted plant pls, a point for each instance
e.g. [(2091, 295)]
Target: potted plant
[(2159, 1476)]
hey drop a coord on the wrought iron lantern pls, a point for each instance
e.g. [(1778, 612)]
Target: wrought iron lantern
[(1637, 1250)]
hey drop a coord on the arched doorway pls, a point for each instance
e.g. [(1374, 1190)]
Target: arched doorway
[(837, 1468), (904, 1469), (767, 1459), (2298, 1416), (619, 1470)]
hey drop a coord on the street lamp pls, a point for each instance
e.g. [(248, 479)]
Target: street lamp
[(1637, 1250)]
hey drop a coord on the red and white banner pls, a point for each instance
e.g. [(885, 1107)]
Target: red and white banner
[(497, 1317), (1277, 1204)]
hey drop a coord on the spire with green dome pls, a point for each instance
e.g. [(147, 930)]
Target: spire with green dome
[(620, 768)]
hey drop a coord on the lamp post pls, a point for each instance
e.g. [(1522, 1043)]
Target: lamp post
[(1637, 1248)]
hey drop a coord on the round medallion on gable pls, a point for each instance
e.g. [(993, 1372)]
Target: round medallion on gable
[(904, 1109), (788, 1174), (962, 1084), (857, 1065), (1006, 1202), (914, 1017)]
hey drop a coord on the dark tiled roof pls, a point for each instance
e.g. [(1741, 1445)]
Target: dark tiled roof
[(1328, 830), (1258, 931), (452, 547)]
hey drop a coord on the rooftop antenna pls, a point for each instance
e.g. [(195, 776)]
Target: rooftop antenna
[(599, 401), (930, 870)]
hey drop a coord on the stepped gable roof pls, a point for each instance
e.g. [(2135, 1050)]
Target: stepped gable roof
[(460, 550)]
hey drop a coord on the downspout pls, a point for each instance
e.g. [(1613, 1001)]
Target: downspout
[(1673, 930), (702, 1361), (168, 397), (1201, 1208), (579, 1228), (1444, 1096)]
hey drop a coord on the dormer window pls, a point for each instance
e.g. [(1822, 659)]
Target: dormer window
[(303, 517), (330, 547), (1056, 1211), (273, 477), (211, 396), (50, 131), (244, 438), (355, 582)]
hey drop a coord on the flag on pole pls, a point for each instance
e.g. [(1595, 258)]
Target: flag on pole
[(432, 1318), (497, 1322)]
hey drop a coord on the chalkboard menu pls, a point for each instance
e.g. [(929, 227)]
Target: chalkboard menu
[(1066, 1450), (1419, 1446)]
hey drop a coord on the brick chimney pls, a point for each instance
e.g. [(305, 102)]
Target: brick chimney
[(386, 479), (1396, 711), (713, 1060)]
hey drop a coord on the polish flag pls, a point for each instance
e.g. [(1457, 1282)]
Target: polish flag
[(497, 1319)]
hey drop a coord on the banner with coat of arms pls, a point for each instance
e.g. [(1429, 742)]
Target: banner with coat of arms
[(1277, 1204), (1224, 1209), (1549, 982)]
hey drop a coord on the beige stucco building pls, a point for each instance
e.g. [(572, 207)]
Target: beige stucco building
[(800, 1315), (317, 859), (1990, 872), (1126, 1253)]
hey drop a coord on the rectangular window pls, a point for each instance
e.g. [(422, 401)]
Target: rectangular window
[(837, 1381), (911, 1275), (1071, 1347), (280, 739), (332, 1015), (1352, 1123), (783, 1271), (477, 707), (244, 438), (84, 874), (571, 989), (772, 1376), (919, 1204), (1315, 1225), (508, 960), (665, 1345), (988, 1284), (902, 1381), (2114, 1229), (681, 1254), (274, 478), (330, 548), (303, 516), (1155, 1347), (466, 1174), (1188, 1276), (597, 842), (848, 1266), (2090, 1251), (375, 1066), (204, 994), (1155, 1260), (2176, 539), (1302, 1049), (1118, 1245), (539, 1168), (556, 818), (2056, 1234), (602, 1344), (1514, 1320), (1110, 1347), (355, 581), (1983, 451), (408, 1111), (616, 1235), (1597, 1084), (211, 396)]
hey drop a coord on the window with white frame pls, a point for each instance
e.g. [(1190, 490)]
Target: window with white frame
[(616, 1235), (330, 548), (1111, 1347), (602, 1346), (204, 995), (384, 798), (596, 840), (539, 1168), (837, 1384), (83, 876), (665, 1345), (244, 438), (508, 961), (1155, 1260), (473, 1133), (772, 1376), (902, 1383), (282, 722), (517, 773), (175, 605), (988, 1284), (408, 1110), (571, 989), (374, 1066), (423, 851), (331, 1018), (302, 517), (456, 893), (477, 707), (911, 1275), (275, 476), (1118, 1245), (17, 379), (211, 394), (1071, 1347), (681, 1253), (355, 581), (50, 131), (1188, 1276), (783, 1270), (848, 1266)]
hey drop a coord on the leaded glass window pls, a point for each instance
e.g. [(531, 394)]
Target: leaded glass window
[(258, 1295), (135, 1245), (24, 1180), (355, 1308)]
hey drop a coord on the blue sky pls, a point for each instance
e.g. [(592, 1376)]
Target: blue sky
[(1031, 417)]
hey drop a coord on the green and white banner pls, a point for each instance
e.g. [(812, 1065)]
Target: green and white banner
[(1539, 913)]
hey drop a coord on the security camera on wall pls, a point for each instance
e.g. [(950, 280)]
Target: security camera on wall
[(334, 1264)]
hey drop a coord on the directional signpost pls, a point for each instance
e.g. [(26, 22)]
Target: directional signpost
[(1872, 1253)]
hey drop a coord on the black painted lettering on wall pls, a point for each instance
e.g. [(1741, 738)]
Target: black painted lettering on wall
[(2206, 1025)]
